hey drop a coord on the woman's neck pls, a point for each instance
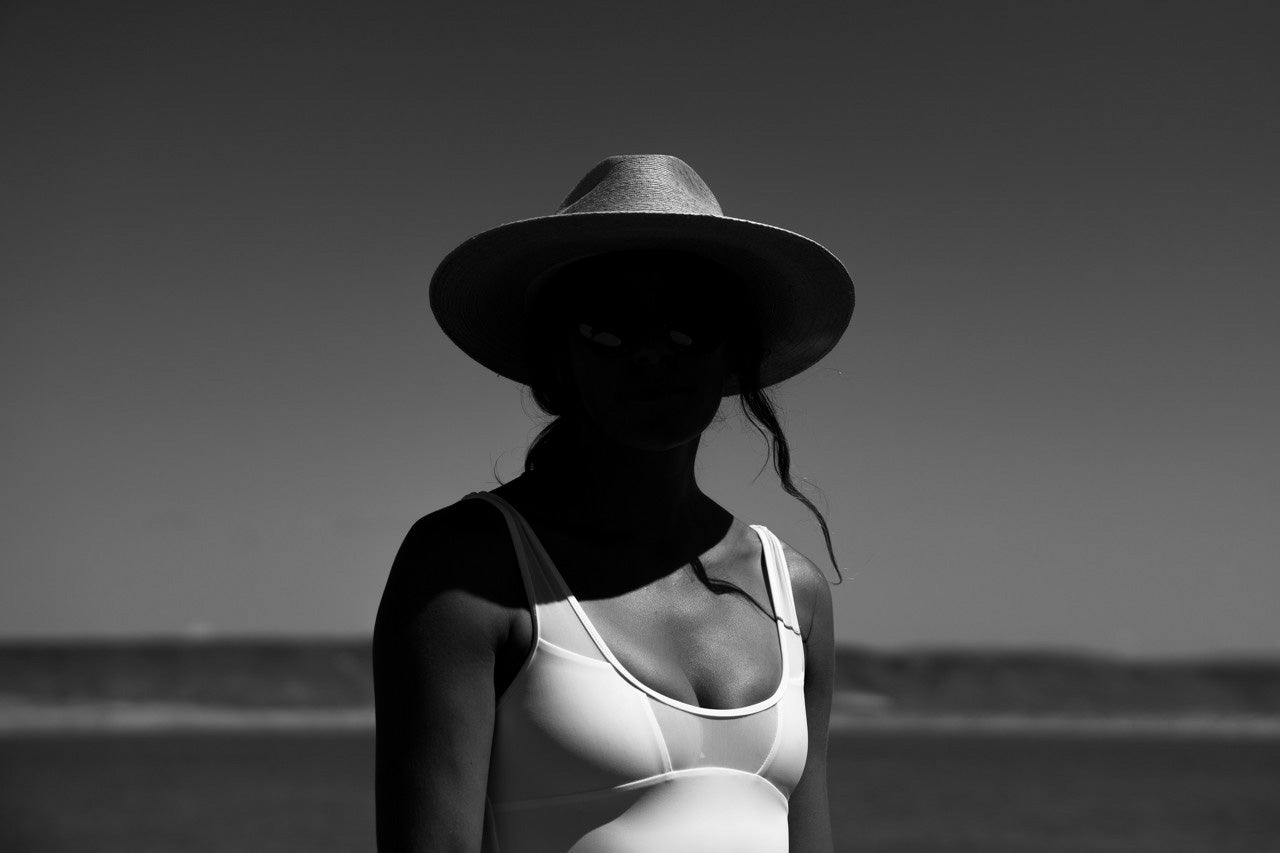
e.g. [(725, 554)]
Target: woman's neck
[(613, 494)]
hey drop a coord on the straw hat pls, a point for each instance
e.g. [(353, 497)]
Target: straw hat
[(799, 292)]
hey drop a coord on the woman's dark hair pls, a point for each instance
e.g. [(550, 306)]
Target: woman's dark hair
[(546, 356)]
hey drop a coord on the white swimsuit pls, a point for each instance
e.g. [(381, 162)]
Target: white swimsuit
[(587, 759)]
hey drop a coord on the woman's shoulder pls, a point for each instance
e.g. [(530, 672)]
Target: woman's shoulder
[(808, 585), (461, 551), (469, 539)]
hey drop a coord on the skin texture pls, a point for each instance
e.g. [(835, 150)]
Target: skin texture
[(627, 486)]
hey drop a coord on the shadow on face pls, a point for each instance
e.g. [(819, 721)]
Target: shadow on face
[(647, 337)]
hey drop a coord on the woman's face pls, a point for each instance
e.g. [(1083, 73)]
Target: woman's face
[(648, 352)]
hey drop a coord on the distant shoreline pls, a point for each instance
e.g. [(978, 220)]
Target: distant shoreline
[(303, 685), (122, 717)]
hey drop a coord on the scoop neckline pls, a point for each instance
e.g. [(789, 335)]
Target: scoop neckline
[(772, 579)]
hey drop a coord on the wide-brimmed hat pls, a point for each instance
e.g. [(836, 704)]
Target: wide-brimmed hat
[(798, 292)]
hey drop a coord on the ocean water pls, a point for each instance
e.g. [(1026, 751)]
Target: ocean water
[(891, 792)]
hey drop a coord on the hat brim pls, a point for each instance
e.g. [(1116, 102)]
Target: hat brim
[(800, 293)]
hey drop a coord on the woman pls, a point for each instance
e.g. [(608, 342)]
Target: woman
[(597, 656)]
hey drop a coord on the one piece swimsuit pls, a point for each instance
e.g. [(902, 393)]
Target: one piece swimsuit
[(587, 759)]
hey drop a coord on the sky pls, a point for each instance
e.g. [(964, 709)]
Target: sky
[(1050, 424)]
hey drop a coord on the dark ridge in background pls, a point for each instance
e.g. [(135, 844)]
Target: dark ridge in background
[(337, 673)]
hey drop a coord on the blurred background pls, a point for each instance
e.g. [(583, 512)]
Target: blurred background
[(1045, 446)]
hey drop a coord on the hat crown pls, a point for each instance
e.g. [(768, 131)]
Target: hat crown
[(649, 183)]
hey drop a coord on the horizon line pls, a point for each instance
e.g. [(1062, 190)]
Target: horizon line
[(1039, 650)]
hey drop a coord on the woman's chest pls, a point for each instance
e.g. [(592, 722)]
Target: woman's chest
[(673, 633)]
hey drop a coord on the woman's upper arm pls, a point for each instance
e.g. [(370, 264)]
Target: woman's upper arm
[(434, 646), (809, 812)]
